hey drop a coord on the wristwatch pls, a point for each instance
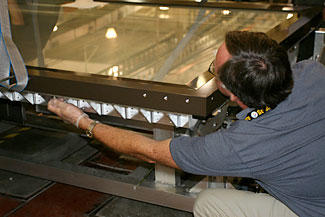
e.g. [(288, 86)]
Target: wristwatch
[(89, 131)]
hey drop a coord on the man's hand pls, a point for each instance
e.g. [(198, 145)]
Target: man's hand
[(67, 112)]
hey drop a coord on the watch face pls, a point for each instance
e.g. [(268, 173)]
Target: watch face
[(89, 134)]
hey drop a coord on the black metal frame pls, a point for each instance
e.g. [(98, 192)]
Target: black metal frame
[(145, 94)]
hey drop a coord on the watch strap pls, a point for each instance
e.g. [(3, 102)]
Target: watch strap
[(89, 131)]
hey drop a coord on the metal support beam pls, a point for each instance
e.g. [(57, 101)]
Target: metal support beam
[(319, 45), (163, 174)]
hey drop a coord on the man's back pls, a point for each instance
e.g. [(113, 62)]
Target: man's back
[(284, 149), (296, 172)]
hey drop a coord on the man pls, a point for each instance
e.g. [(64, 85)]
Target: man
[(279, 139)]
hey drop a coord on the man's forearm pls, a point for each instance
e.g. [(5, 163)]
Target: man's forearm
[(124, 141), (131, 143)]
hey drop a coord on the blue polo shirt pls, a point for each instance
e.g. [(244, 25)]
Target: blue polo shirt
[(283, 150)]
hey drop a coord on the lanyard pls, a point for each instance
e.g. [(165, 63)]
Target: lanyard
[(256, 113)]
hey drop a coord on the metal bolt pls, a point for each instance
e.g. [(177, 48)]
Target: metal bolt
[(144, 95), (187, 100), (165, 98), (212, 98)]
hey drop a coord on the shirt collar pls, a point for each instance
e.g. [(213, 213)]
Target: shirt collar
[(242, 114)]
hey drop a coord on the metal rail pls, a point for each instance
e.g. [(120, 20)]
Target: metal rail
[(79, 177)]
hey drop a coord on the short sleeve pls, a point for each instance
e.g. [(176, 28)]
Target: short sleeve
[(208, 155)]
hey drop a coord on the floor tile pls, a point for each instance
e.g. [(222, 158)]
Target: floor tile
[(7, 204), (62, 201)]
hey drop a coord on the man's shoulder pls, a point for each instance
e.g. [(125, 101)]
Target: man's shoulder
[(308, 72), (307, 65), (308, 90)]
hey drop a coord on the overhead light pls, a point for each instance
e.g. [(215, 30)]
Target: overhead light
[(114, 71), (289, 16), (198, 0), (110, 33), (84, 4), (164, 8), (55, 28), (226, 12)]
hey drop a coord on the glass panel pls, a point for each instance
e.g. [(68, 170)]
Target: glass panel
[(167, 44)]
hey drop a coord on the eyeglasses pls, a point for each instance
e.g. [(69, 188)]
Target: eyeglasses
[(212, 68)]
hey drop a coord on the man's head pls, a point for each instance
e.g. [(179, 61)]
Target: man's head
[(254, 70)]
